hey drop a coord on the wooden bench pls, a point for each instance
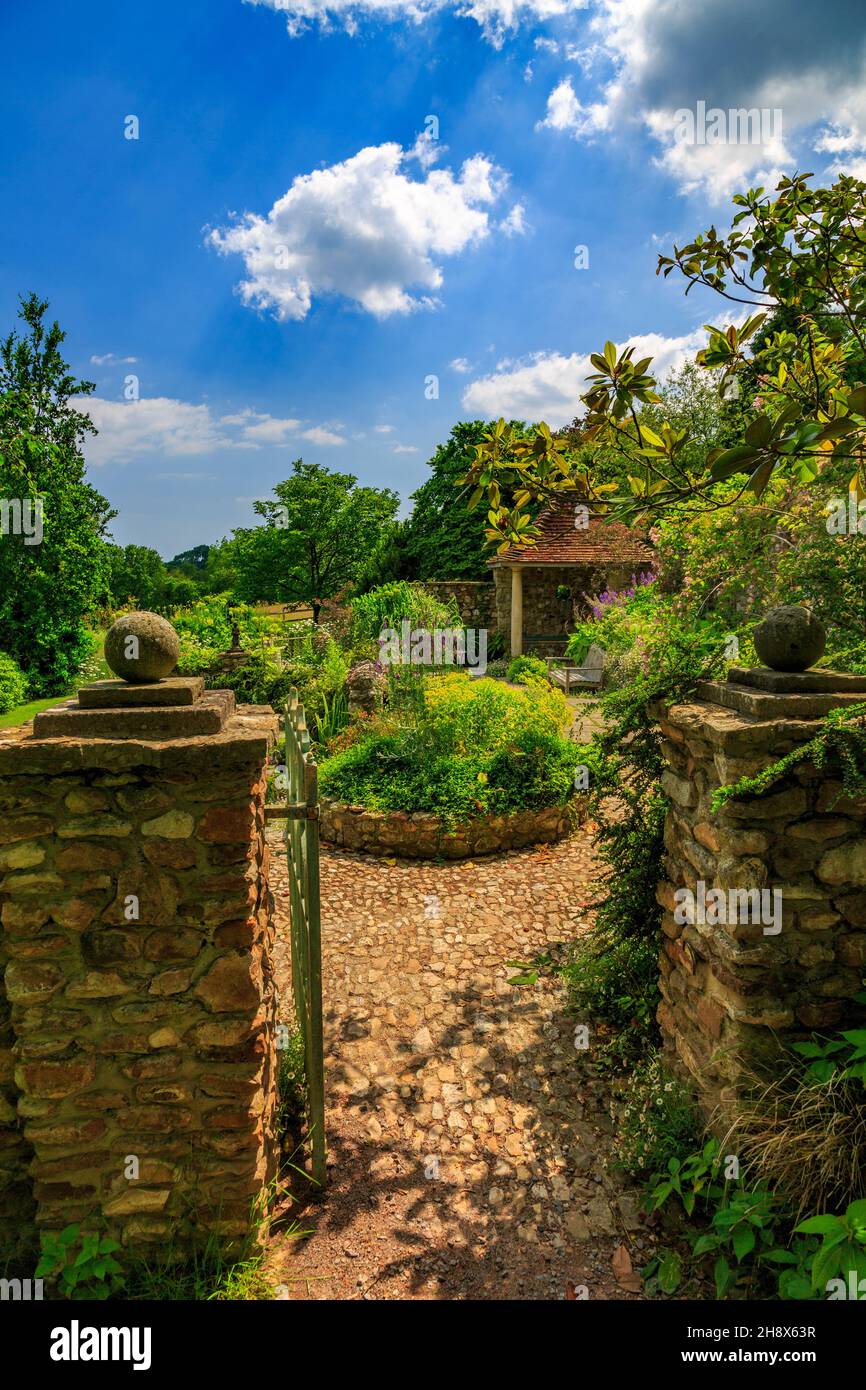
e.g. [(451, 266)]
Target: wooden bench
[(569, 675)]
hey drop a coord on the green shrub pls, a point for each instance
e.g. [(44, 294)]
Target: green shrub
[(205, 630), (13, 684), (459, 749), (389, 604), (656, 1121), (614, 980), (82, 1263), (749, 1230), (259, 681), (523, 666)]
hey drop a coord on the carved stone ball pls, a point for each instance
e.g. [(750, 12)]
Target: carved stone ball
[(141, 647), (790, 638)]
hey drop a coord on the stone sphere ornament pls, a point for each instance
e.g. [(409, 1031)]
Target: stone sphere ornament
[(790, 638), (142, 647)]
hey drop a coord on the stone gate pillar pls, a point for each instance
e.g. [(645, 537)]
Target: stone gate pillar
[(730, 986), (137, 933)]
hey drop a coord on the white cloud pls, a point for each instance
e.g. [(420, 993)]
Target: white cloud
[(317, 435), (461, 365), (159, 425), (108, 359), (384, 429), (515, 223), (257, 428), (496, 18), (661, 57), (565, 112), (154, 424), (362, 229), (405, 449), (548, 385)]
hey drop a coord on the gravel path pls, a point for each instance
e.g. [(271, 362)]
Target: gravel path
[(467, 1137)]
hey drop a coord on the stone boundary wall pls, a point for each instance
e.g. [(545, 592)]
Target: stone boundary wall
[(729, 991), (137, 934), (420, 835), (476, 599)]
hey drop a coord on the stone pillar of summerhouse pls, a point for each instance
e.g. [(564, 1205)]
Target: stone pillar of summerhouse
[(733, 990), (138, 1062)]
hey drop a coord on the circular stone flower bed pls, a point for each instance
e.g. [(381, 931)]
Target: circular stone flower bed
[(421, 835)]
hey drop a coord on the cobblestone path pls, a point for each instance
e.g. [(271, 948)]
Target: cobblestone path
[(466, 1137)]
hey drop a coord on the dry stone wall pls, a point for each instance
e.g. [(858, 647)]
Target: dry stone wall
[(137, 1010), (475, 599), (731, 987), (420, 835)]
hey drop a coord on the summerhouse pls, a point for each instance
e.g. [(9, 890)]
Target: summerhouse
[(542, 588)]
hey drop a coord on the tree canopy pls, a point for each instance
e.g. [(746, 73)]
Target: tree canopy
[(318, 529), (47, 585)]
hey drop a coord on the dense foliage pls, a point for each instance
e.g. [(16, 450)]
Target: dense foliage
[(465, 748), (319, 528), (13, 684), (46, 588), (389, 605)]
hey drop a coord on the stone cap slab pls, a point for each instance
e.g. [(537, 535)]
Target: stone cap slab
[(797, 682), (207, 716), (736, 733), (245, 740), (763, 704), (174, 690)]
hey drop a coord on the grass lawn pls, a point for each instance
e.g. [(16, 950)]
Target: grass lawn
[(22, 713)]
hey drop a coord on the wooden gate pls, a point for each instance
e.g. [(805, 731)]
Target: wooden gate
[(301, 815)]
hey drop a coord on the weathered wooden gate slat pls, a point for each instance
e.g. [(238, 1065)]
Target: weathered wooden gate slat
[(302, 851)]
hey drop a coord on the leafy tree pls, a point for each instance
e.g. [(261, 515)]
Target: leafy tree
[(443, 539), (389, 561), (46, 588), (798, 259), (136, 576), (194, 559), (317, 532)]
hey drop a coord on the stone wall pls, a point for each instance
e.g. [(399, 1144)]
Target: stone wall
[(419, 835), (731, 989), (475, 599), (137, 933)]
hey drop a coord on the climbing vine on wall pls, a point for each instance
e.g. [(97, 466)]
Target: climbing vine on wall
[(840, 744)]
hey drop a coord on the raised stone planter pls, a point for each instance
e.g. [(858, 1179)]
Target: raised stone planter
[(421, 835)]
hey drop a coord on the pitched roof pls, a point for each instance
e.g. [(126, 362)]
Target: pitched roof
[(562, 543)]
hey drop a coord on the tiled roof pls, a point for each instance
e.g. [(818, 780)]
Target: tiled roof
[(562, 543)]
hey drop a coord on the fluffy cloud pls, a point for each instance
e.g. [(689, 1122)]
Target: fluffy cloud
[(155, 424), (496, 18), (108, 359), (660, 57), (405, 449), (548, 385), (159, 425), (317, 435), (363, 229)]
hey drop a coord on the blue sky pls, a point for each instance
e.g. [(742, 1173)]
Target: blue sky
[(281, 262)]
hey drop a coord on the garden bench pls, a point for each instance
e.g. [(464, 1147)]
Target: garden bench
[(568, 674)]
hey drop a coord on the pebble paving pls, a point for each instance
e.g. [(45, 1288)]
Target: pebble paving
[(467, 1138)]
